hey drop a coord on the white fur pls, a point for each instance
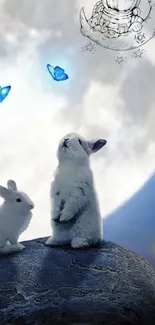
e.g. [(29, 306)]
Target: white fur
[(14, 217), (73, 194)]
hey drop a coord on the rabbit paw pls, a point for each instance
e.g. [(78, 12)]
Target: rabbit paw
[(79, 242), (64, 218), (56, 218), (8, 249), (51, 241), (20, 247)]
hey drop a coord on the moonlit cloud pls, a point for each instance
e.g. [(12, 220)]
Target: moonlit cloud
[(100, 99)]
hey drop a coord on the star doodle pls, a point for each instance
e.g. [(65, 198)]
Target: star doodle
[(140, 38), (89, 47), (138, 54), (120, 59)]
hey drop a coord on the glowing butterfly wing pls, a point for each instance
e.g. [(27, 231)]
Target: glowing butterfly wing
[(60, 75), (63, 77), (50, 70), (4, 91), (57, 73)]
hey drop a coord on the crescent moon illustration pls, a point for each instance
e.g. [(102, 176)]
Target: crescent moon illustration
[(124, 42)]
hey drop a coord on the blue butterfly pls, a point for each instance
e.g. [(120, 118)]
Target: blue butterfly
[(4, 91), (57, 73)]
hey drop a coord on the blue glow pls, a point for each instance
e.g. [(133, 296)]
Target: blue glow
[(57, 73), (4, 91)]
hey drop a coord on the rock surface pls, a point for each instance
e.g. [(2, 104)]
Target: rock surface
[(102, 285)]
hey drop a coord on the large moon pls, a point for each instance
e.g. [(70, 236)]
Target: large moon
[(129, 41)]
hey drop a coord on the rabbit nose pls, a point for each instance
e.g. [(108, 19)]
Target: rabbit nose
[(66, 139), (31, 206)]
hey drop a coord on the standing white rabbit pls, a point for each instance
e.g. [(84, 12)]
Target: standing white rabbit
[(15, 215), (75, 215)]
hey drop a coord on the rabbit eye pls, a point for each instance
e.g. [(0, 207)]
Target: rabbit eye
[(19, 200), (80, 142)]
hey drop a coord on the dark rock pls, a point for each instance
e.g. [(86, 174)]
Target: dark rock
[(102, 285)]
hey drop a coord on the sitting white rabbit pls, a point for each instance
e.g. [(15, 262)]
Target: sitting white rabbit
[(75, 215), (15, 215)]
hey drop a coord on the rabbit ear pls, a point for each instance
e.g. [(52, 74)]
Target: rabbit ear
[(96, 145), (4, 192), (11, 185)]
